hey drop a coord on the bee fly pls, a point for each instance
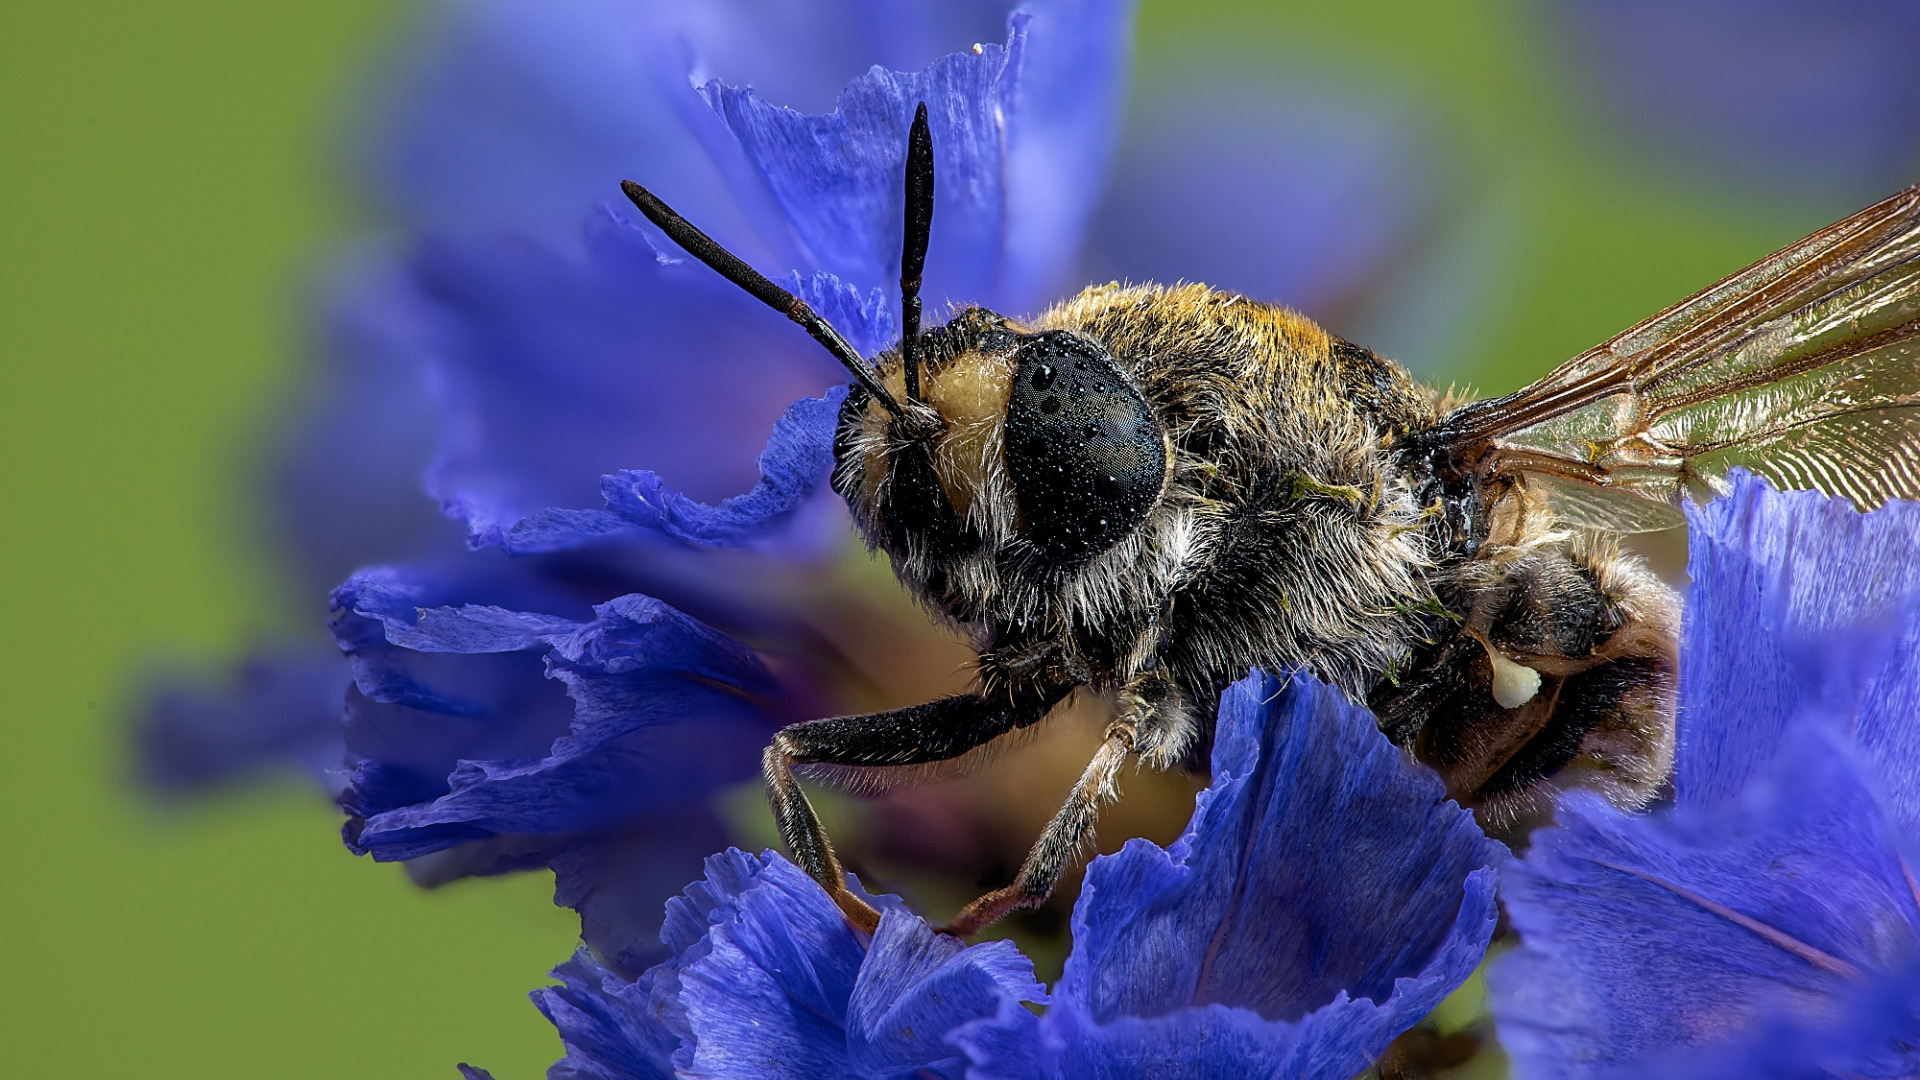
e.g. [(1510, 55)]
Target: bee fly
[(1148, 490)]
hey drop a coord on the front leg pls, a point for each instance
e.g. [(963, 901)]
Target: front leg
[(915, 735), (1154, 722)]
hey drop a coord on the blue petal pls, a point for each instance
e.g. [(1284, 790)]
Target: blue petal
[(1063, 119), (1797, 599), (488, 738), (769, 999), (1882, 718), (553, 370), (281, 709), (797, 458), (865, 320), (1760, 93), (662, 712), (518, 116), (708, 901), (802, 55), (1335, 1042), (916, 987), (616, 1028), (412, 716), (785, 988), (608, 1024), (346, 483), (837, 176), (619, 881), (1878, 1016), (1647, 938), (1263, 185), (1001, 160), (1325, 897), (1314, 821)]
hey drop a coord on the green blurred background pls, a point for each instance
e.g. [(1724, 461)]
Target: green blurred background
[(168, 178)]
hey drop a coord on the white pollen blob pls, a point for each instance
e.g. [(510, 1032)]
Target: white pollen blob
[(1513, 684)]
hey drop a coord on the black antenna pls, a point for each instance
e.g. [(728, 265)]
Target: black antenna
[(913, 244), (730, 266)]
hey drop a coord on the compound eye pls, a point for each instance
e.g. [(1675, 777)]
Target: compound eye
[(1084, 451)]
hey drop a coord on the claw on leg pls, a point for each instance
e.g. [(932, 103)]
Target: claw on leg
[(806, 839)]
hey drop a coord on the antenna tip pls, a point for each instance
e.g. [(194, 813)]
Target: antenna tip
[(656, 211)]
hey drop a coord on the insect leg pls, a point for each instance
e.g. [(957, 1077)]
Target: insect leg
[(1059, 845), (1153, 722), (916, 735)]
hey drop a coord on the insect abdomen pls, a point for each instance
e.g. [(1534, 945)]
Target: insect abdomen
[(1596, 628)]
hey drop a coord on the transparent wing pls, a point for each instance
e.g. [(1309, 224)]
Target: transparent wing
[(1804, 368), (1589, 506)]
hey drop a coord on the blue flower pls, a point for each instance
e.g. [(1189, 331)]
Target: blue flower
[(1799, 602), (1266, 184), (571, 394), (281, 709), (484, 738), (552, 366), (1755, 89), (1324, 898), (577, 706), (513, 362), (768, 980), (1767, 925), (555, 367)]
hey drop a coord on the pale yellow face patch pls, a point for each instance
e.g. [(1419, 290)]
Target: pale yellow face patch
[(970, 392)]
